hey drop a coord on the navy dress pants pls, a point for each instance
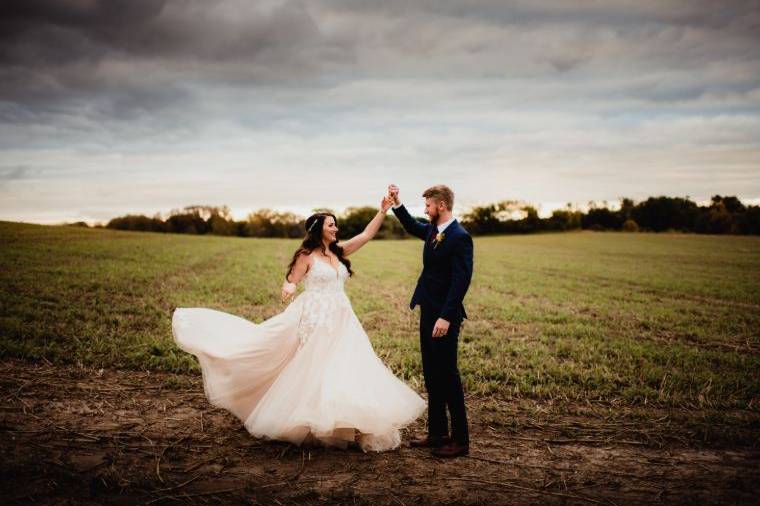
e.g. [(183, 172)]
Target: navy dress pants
[(442, 380)]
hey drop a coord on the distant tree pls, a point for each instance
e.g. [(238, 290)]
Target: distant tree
[(391, 229), (218, 225), (186, 223), (506, 216), (665, 213), (751, 223), (137, 223), (354, 219), (206, 212), (531, 222), (626, 208), (630, 226), (288, 225), (564, 220), (481, 220), (268, 223), (724, 216), (732, 204), (259, 224), (601, 218)]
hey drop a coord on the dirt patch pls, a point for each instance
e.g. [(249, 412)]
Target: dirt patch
[(78, 435)]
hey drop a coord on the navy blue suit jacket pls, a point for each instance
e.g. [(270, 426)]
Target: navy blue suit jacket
[(447, 267)]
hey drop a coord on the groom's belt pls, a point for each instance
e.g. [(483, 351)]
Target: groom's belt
[(422, 296), (422, 293)]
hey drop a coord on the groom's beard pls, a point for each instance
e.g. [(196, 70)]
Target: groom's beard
[(434, 219)]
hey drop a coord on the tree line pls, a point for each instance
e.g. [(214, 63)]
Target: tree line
[(215, 220), (724, 215)]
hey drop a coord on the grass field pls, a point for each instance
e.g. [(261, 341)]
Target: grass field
[(619, 319), (600, 368)]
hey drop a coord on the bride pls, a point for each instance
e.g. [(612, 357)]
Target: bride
[(308, 374)]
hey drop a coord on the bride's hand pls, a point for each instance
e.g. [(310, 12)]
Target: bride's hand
[(386, 203), (288, 289)]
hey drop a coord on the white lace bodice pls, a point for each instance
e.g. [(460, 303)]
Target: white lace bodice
[(323, 277), (323, 295)]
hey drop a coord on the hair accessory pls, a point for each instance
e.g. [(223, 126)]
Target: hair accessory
[(312, 224)]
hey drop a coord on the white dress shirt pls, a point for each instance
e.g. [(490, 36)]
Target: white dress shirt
[(442, 226)]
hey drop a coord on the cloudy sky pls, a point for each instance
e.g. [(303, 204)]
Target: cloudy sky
[(117, 106)]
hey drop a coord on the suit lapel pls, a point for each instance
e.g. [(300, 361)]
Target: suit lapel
[(428, 246), (431, 234), (447, 232)]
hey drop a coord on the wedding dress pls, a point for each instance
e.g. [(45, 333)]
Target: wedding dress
[(308, 373)]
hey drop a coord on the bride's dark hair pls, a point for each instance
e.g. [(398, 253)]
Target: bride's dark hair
[(313, 240)]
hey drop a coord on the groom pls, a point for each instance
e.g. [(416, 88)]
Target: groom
[(446, 274)]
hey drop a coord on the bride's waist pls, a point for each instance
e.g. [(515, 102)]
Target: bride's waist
[(336, 293)]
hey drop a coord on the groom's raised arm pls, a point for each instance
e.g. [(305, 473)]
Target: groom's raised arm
[(414, 227)]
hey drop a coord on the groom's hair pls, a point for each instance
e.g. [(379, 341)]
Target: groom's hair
[(441, 193)]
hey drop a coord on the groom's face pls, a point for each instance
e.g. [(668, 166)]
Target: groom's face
[(433, 209)]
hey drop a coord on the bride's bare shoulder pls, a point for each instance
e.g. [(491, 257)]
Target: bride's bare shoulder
[(305, 259)]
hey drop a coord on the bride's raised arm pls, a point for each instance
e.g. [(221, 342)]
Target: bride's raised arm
[(351, 245)]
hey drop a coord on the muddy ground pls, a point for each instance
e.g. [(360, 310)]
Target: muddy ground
[(74, 435)]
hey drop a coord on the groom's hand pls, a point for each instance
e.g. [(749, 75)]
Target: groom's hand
[(393, 193), (441, 327)]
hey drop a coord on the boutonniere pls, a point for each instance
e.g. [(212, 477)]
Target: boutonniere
[(439, 237)]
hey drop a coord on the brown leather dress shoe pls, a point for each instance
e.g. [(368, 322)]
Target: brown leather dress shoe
[(452, 449), (428, 442)]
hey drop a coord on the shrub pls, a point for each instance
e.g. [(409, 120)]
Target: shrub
[(630, 226)]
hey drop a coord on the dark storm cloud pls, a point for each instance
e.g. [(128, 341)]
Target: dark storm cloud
[(39, 32), (54, 32), (122, 56), (613, 13), (115, 58)]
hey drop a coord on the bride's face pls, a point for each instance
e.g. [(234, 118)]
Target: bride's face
[(329, 229)]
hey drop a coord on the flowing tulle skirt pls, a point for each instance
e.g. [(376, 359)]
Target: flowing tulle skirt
[(307, 374)]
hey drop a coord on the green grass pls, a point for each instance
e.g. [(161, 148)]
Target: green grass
[(668, 320)]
